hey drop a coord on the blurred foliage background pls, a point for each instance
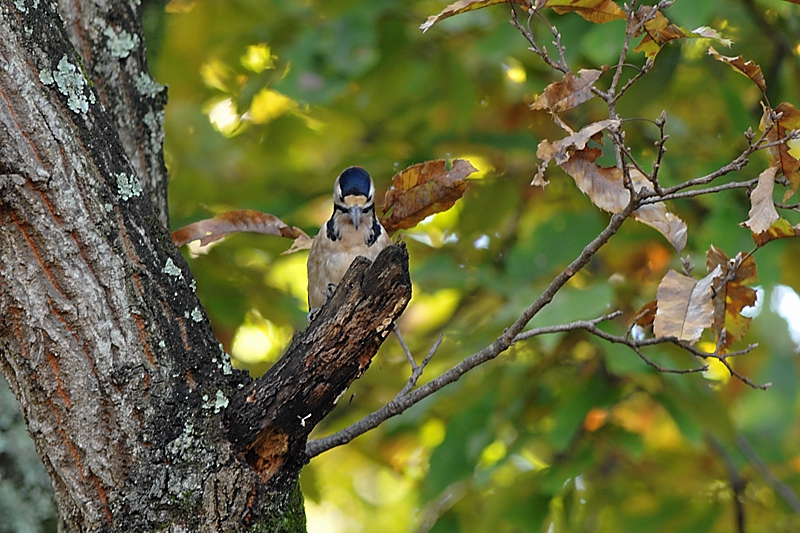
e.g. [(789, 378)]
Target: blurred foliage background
[(269, 100)]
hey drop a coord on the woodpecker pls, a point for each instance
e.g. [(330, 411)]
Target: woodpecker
[(353, 230)]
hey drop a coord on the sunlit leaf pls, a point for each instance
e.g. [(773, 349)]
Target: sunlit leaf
[(732, 296), (245, 220), (592, 10), (462, 6), (789, 165), (781, 229), (716, 371), (258, 58), (422, 190), (763, 213), (570, 92), (748, 68), (268, 105), (685, 306)]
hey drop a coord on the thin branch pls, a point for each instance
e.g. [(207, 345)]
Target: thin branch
[(699, 192), (741, 377), (737, 482), (417, 370), (400, 403), (785, 491), (404, 346), (578, 324), (648, 64), (535, 48), (792, 207), (741, 160)]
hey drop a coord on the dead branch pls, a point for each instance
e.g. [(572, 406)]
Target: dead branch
[(269, 420)]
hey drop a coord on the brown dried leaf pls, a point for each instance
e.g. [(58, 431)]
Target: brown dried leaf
[(603, 185), (303, 242), (598, 11), (606, 189), (668, 224), (462, 6), (789, 165), (685, 306), (658, 31), (763, 213), (732, 297), (647, 314), (570, 92), (779, 230), (213, 229), (748, 68), (422, 190), (562, 149)]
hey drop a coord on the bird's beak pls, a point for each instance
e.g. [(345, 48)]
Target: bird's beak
[(355, 214)]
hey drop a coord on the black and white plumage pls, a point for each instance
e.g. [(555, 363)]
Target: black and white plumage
[(353, 230)]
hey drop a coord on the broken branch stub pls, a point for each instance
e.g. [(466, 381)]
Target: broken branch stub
[(269, 421)]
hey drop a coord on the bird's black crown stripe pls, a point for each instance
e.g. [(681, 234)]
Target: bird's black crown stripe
[(355, 181)]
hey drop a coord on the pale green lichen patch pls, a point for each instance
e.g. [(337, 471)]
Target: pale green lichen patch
[(128, 186), (172, 270), (225, 363), (46, 77), (220, 402), (155, 122), (147, 86), (120, 44), (70, 82), (184, 442), (197, 315)]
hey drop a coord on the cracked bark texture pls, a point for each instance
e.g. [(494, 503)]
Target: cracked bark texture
[(138, 417)]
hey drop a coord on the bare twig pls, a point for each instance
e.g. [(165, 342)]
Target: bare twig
[(737, 482), (579, 324), (785, 491), (541, 51), (741, 160), (417, 370), (404, 346), (699, 192), (648, 64)]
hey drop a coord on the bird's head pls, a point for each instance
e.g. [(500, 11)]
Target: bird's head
[(354, 193)]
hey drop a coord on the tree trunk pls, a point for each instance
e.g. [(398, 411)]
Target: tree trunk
[(135, 410)]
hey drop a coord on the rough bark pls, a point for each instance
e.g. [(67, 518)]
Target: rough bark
[(269, 420), (122, 384), (107, 34)]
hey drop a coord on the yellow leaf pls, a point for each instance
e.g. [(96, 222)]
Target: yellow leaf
[(268, 105)]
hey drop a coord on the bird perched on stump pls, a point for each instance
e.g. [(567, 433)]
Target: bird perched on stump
[(353, 230)]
